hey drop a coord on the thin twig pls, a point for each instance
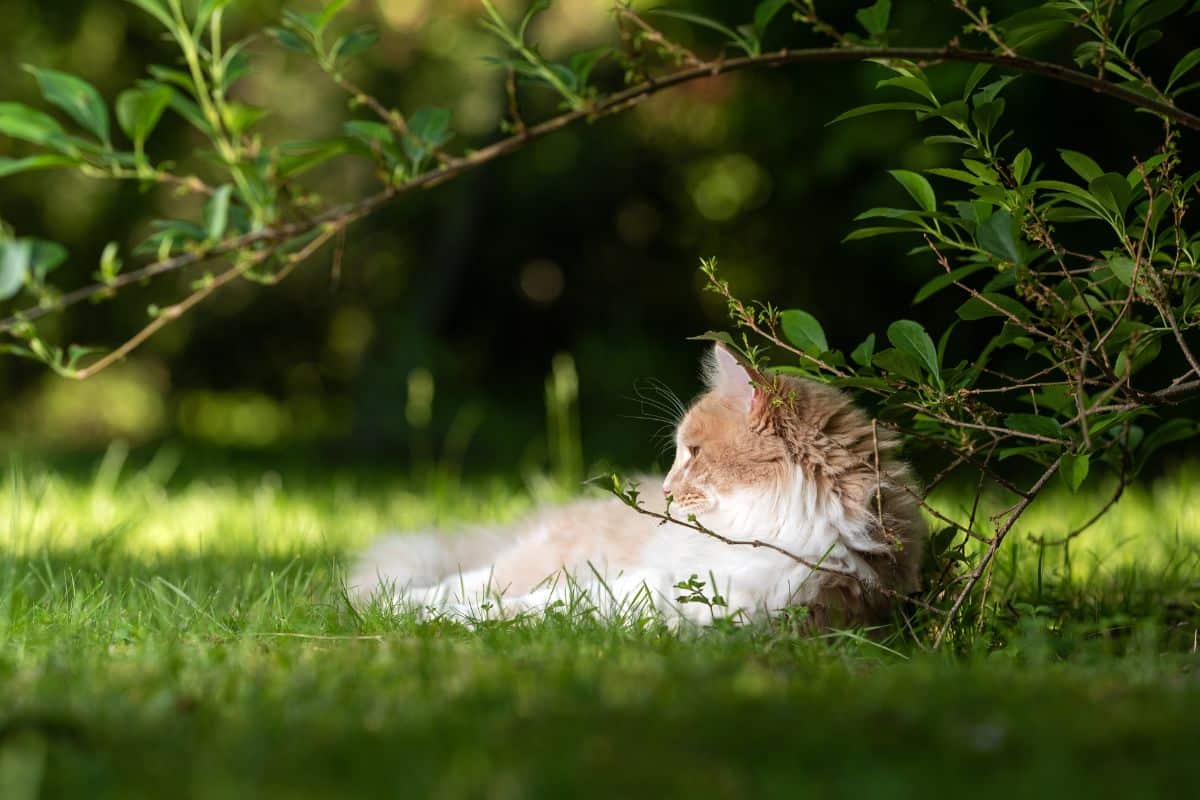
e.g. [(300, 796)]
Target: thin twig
[(692, 524), (1014, 514), (174, 312), (653, 34)]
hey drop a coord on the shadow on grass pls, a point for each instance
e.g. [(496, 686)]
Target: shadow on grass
[(163, 676)]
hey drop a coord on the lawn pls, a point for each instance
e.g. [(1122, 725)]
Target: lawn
[(179, 631)]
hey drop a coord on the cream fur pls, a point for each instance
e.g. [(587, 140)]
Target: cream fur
[(778, 460)]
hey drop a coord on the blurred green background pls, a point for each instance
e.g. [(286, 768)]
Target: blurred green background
[(440, 329)]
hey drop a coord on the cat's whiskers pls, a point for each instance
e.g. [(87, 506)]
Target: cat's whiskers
[(658, 403)]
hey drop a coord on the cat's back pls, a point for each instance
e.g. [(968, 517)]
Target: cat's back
[(600, 531)]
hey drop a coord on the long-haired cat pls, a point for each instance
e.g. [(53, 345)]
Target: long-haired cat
[(786, 462)]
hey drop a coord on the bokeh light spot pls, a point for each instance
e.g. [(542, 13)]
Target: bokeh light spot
[(542, 281), (726, 186)]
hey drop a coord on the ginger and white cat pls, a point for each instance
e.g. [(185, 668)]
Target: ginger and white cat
[(787, 462)]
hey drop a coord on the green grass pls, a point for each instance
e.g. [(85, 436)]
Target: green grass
[(186, 637)]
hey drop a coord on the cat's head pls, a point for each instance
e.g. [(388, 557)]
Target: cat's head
[(730, 448)]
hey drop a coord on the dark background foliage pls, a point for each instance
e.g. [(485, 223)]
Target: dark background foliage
[(587, 242)]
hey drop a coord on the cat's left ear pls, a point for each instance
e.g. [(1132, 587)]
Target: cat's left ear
[(736, 384)]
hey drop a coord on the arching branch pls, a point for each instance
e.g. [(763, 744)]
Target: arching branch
[(342, 216)]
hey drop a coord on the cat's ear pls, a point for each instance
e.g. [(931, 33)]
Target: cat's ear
[(730, 380)]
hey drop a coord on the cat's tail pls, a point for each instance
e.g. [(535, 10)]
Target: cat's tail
[(402, 562)]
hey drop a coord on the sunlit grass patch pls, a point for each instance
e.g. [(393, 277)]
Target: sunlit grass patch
[(185, 628)]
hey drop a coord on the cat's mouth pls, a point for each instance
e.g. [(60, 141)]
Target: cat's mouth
[(692, 503)]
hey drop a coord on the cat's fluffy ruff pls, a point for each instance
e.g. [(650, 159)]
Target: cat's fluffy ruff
[(775, 459)]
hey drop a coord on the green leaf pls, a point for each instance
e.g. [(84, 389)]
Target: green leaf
[(1134, 176), (77, 97), (290, 40), (355, 43), (899, 363), (990, 92), (977, 74), (139, 110), (15, 258), (1034, 424), (155, 9), (987, 115), (956, 175), (171, 231), (765, 12), (1113, 192), (1087, 53), (1146, 39), (329, 12), (1185, 65), (906, 214), (1034, 24), (868, 233), (298, 157), (174, 77), (1140, 353), (998, 235), (917, 186), (378, 138), (909, 337), (944, 342), (537, 7), (431, 125), (1074, 470), (991, 304), (862, 354), (299, 21), (581, 64), (239, 117), (1154, 12), (935, 285), (957, 140), (697, 19), (110, 262), (1021, 165), (24, 123), (1175, 430), (1122, 268), (191, 112), (206, 10), (45, 257), (803, 330), (12, 166), (875, 108), (915, 85), (1083, 166), (429, 129), (235, 65), (216, 213), (875, 18), (956, 112), (369, 132)]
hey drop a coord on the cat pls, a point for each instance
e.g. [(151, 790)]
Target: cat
[(788, 463)]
